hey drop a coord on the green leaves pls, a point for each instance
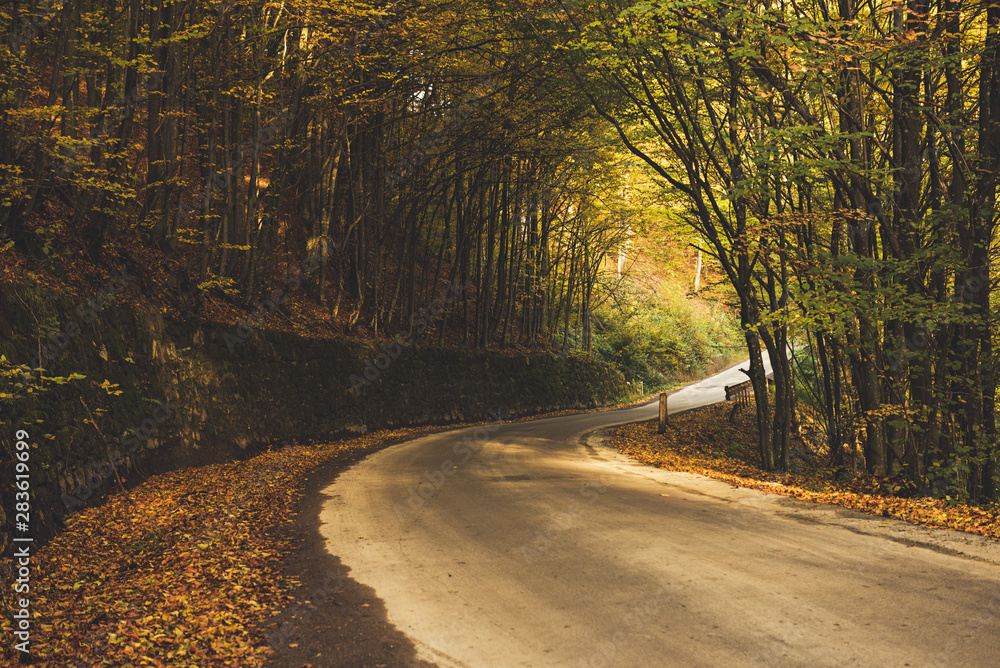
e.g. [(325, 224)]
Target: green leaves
[(18, 381)]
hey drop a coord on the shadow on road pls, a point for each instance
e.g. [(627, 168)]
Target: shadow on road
[(334, 621)]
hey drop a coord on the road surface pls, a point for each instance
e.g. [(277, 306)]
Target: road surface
[(532, 544)]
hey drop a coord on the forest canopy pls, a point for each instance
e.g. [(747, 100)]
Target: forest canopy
[(838, 161)]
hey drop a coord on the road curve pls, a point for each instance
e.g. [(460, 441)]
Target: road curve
[(531, 544)]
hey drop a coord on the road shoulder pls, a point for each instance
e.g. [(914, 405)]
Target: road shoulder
[(947, 541), (335, 621)]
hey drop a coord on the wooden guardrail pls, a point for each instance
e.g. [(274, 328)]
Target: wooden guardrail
[(742, 393)]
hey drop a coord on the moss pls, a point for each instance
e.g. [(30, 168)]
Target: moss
[(272, 386)]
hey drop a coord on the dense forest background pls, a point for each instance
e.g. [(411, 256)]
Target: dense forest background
[(478, 166), (392, 150), (386, 156)]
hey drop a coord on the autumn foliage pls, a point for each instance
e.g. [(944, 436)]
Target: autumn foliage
[(704, 442), (183, 570)]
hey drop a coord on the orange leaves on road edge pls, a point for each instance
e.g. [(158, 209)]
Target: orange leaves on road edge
[(180, 572), (696, 441)]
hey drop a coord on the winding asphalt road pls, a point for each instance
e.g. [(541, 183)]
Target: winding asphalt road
[(532, 544)]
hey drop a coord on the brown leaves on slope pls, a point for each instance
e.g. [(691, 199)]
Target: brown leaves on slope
[(178, 572), (704, 442)]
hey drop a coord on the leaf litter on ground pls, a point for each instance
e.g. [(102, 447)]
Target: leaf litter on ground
[(182, 570), (185, 569), (703, 441)]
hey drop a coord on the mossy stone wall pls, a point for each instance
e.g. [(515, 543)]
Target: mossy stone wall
[(167, 394)]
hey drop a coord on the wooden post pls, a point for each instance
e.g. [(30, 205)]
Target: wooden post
[(663, 413), (697, 274)]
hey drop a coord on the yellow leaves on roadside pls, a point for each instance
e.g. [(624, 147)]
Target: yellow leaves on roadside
[(182, 570), (704, 442)]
